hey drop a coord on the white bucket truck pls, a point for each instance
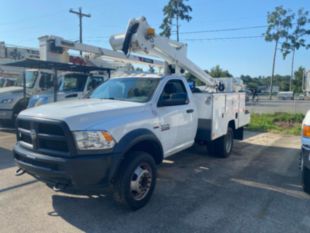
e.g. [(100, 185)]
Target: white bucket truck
[(14, 99), (129, 124)]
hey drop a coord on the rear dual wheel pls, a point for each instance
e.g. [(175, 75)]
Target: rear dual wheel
[(222, 147)]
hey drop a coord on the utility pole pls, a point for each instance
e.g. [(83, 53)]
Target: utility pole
[(273, 68), (178, 27), (80, 14)]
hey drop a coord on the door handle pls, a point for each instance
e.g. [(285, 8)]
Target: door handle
[(190, 110)]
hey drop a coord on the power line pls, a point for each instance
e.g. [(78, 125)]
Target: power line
[(225, 29), (224, 38)]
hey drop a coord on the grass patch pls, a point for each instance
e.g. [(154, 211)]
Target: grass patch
[(286, 123)]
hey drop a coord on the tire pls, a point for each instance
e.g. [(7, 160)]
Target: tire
[(20, 106), (14, 117), (222, 147), (305, 173), (136, 181)]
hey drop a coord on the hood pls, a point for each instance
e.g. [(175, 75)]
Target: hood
[(48, 97), (10, 89), (84, 113)]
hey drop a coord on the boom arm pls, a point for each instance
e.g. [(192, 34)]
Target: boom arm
[(54, 48), (141, 38), (17, 53)]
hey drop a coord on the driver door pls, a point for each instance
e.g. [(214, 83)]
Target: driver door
[(177, 123)]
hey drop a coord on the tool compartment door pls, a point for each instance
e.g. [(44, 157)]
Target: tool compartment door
[(243, 114), (219, 122)]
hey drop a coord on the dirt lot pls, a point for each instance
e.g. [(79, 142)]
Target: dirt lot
[(257, 189)]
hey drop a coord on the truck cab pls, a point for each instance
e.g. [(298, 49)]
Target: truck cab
[(7, 82), (12, 100), (72, 85)]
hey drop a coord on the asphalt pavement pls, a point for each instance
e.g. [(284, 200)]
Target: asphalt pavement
[(273, 106), (257, 189)]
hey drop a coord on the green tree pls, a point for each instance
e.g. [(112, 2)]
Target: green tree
[(215, 72), (175, 11), (279, 22), (218, 72), (297, 38), (191, 78), (297, 82)]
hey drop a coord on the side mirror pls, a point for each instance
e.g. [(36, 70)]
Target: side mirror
[(173, 99)]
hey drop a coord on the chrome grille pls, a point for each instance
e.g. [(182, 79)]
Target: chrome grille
[(48, 137)]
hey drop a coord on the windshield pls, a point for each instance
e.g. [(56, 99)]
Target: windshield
[(127, 89), (1, 82), (31, 77), (73, 82)]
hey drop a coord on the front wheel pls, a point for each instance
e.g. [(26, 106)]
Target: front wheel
[(136, 181)]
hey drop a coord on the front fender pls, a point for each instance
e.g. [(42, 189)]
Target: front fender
[(128, 141)]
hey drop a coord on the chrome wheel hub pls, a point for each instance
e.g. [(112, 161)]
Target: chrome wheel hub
[(141, 181)]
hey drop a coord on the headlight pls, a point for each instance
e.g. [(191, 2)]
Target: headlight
[(306, 131), (94, 140), (6, 101)]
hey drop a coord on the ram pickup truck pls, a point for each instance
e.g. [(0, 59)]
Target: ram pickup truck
[(118, 136), (305, 153)]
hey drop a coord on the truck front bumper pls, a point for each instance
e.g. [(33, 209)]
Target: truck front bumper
[(89, 172), (305, 153), (6, 114)]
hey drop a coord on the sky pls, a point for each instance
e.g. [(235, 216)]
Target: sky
[(22, 22)]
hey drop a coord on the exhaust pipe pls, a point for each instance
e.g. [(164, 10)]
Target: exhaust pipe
[(19, 172)]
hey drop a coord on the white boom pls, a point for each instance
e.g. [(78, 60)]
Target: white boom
[(55, 48), (141, 38), (11, 53)]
